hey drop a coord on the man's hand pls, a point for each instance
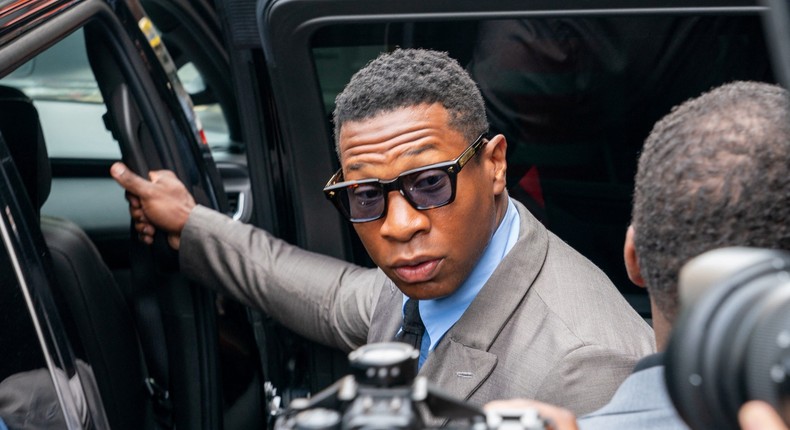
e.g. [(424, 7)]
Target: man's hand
[(561, 419), (758, 415), (162, 202)]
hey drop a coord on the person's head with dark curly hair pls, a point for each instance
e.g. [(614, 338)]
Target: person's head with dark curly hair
[(411, 77), (413, 121), (712, 173)]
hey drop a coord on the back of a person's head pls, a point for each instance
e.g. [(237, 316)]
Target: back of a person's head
[(712, 173), (411, 77)]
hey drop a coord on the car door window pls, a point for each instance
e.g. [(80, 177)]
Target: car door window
[(70, 108), (65, 93)]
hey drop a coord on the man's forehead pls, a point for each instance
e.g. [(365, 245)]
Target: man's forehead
[(393, 135), (360, 160)]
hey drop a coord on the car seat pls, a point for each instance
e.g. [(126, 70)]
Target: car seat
[(92, 307)]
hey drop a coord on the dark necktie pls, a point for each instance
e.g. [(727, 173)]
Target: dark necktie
[(413, 328)]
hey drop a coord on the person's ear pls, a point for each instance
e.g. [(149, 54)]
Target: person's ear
[(497, 148), (631, 260)]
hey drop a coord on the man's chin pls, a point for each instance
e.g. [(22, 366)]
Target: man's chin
[(425, 291)]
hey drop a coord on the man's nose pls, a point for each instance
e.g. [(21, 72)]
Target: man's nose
[(402, 221)]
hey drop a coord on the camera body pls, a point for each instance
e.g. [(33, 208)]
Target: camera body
[(384, 392), (731, 342)]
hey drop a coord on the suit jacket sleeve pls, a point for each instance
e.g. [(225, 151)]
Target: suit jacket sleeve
[(322, 298)]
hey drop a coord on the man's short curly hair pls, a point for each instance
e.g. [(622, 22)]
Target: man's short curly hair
[(410, 77), (712, 173)]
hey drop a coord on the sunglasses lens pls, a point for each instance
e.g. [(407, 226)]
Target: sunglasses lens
[(364, 201), (428, 188)]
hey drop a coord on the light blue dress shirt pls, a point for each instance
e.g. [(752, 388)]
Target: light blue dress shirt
[(439, 315)]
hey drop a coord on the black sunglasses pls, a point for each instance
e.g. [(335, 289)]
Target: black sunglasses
[(424, 188)]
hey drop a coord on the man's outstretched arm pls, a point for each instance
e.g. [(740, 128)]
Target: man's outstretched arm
[(320, 297)]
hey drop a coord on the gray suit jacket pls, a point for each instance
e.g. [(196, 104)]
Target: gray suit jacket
[(641, 402), (547, 325)]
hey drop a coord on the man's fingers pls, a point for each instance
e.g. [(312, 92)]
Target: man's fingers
[(144, 228), (129, 180), (758, 415), (156, 175), (137, 214), (134, 201), (145, 238)]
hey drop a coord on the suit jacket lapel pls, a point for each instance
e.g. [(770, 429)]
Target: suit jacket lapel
[(461, 361), (387, 315), (458, 369)]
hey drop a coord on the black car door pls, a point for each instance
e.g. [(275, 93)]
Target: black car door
[(102, 87)]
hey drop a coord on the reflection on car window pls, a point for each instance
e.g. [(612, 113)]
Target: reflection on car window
[(336, 65), (208, 111), (67, 97)]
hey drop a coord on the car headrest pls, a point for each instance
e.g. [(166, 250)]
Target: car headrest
[(21, 130)]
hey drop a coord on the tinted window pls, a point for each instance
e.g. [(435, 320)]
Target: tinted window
[(62, 85), (67, 97)]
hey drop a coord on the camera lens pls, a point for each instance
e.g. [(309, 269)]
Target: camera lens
[(731, 343), (767, 370)]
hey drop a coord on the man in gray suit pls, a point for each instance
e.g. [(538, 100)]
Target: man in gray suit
[(497, 305), (712, 173)]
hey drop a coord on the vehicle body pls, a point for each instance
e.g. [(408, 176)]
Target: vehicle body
[(262, 78)]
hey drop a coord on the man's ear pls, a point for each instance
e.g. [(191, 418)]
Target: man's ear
[(498, 158), (631, 261)]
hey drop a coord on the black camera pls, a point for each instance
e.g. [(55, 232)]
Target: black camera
[(384, 392), (731, 343)]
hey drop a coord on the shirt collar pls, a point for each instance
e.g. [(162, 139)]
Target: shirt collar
[(439, 315)]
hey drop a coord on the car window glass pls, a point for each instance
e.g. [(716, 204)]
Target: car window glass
[(208, 111), (70, 107), (67, 97), (575, 98), (62, 85), (336, 65)]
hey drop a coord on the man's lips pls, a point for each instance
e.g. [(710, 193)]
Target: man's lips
[(416, 272)]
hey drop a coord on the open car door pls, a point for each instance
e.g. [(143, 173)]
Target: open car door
[(98, 85)]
